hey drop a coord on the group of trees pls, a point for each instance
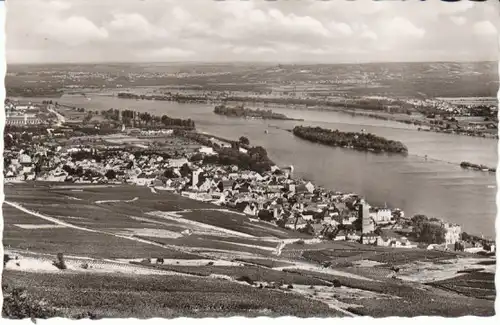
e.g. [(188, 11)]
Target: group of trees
[(240, 111), (255, 159), (244, 141), (36, 91), (88, 173), (428, 230), (359, 141), (147, 119), (200, 138), (11, 139), (167, 97)]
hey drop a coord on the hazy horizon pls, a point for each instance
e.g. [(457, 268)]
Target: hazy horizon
[(281, 32), (241, 62)]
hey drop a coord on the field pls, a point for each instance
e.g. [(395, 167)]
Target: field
[(475, 284), (131, 252), (160, 296), (430, 79)]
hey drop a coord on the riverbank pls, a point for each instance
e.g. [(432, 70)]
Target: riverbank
[(341, 106), (439, 187), (324, 192), (416, 119)]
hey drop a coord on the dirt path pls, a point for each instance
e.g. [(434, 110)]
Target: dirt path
[(128, 268), (69, 225)]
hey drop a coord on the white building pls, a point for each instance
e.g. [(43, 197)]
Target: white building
[(196, 175), (206, 150), (177, 163), (452, 233), (220, 143), (381, 216)]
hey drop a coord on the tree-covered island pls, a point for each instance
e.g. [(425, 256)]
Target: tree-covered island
[(240, 111), (354, 140)]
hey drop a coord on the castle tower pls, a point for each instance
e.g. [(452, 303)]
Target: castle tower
[(367, 225), (195, 180)]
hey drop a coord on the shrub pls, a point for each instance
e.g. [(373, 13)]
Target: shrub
[(290, 286), (18, 305), (6, 259), (85, 315), (246, 279), (336, 283), (60, 263)]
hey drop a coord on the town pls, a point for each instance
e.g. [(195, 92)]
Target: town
[(168, 155)]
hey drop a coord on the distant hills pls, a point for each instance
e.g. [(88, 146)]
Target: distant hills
[(416, 80)]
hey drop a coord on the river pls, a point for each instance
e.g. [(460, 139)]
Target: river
[(435, 186)]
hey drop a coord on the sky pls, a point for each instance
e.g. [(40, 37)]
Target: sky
[(335, 31)]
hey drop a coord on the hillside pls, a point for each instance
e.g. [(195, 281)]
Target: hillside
[(154, 254)]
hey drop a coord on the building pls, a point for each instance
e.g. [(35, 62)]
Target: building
[(177, 163), (369, 239), (381, 216), (206, 150), (221, 144), (452, 234), (195, 178), (367, 224), (288, 171), (24, 119)]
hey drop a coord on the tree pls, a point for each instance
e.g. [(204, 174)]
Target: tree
[(244, 141), (26, 137), (79, 171), (308, 229), (266, 215), (417, 224), (110, 174), (169, 173), (68, 170), (8, 140), (432, 233), (197, 157), (185, 170)]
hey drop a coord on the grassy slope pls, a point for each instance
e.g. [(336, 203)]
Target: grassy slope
[(178, 296), (159, 296)]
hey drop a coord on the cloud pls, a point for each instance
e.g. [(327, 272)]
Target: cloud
[(73, 31), (368, 34), (458, 20), (255, 51), (333, 31), (132, 27), (404, 27), (340, 28), (169, 54), (59, 5), (454, 8), (485, 27)]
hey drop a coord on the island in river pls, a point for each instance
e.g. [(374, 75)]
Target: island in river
[(354, 140), (240, 111), (468, 165)]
